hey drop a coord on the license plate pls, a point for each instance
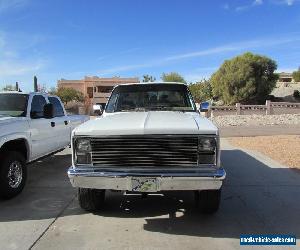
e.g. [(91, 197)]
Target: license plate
[(143, 184)]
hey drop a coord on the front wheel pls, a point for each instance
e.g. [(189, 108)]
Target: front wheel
[(13, 174), (91, 199), (208, 200)]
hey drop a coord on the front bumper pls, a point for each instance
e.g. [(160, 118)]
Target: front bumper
[(166, 180)]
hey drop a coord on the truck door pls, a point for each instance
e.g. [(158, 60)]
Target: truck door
[(43, 137), (62, 123)]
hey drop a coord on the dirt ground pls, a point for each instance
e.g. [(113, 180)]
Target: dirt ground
[(282, 148)]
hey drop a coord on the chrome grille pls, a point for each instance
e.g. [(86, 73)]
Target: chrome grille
[(145, 151)]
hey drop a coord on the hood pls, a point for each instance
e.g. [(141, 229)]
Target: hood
[(153, 122), (8, 119)]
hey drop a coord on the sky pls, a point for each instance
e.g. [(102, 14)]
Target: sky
[(70, 39)]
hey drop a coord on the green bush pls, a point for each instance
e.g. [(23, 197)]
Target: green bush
[(247, 78), (172, 77), (68, 95), (201, 91), (296, 75)]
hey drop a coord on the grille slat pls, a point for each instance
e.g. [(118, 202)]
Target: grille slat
[(135, 159), (145, 151), (149, 150)]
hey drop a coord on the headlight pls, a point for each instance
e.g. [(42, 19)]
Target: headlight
[(82, 151), (207, 151), (83, 145), (207, 144)]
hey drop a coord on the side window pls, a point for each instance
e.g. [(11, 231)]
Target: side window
[(111, 105), (37, 107), (58, 109)]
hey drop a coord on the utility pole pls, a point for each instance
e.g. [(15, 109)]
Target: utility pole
[(35, 84)]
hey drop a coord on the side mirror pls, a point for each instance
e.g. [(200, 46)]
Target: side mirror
[(98, 109), (48, 111), (204, 106)]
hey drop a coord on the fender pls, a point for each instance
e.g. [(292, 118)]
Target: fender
[(17, 136)]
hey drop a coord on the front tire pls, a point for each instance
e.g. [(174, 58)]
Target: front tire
[(13, 174), (208, 200), (91, 199)]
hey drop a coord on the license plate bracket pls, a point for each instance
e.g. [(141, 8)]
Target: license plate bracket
[(143, 184)]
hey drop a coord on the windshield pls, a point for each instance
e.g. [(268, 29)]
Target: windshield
[(173, 97), (13, 104)]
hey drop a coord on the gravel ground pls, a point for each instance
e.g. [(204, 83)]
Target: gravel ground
[(282, 148), (256, 120)]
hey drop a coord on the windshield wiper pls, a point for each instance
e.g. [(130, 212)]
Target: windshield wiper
[(132, 109), (159, 108), (168, 108)]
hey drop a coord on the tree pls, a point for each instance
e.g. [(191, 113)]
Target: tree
[(172, 77), (148, 78), (69, 94), (296, 75), (9, 87), (201, 91), (52, 91), (247, 78)]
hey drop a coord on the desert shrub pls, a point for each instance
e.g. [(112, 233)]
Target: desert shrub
[(248, 78)]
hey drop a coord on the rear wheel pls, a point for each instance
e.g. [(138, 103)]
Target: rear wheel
[(13, 174), (91, 199), (208, 200)]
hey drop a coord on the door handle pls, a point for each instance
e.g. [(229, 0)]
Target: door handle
[(52, 124), (66, 122)]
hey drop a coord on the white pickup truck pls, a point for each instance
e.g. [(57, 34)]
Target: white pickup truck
[(31, 126), (150, 138)]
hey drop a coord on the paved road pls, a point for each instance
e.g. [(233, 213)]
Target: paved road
[(259, 196)]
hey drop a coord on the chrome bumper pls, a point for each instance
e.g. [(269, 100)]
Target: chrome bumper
[(121, 180)]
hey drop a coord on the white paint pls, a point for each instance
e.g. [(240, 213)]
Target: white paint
[(41, 138), (152, 122)]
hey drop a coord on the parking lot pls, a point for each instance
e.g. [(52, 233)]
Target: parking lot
[(259, 196)]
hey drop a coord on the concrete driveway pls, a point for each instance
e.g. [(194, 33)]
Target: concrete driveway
[(259, 196)]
